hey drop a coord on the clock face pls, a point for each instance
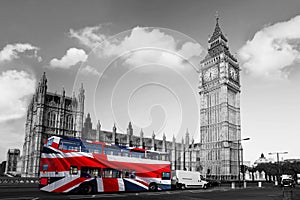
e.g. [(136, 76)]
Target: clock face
[(211, 74), (233, 73)]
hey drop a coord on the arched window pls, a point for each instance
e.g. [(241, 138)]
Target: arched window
[(62, 122), (66, 126), (49, 119), (53, 119), (70, 122)]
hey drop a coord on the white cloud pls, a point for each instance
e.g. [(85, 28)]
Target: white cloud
[(146, 45), (72, 57), (11, 51), (190, 49), (15, 88), (272, 50), (89, 70), (89, 36)]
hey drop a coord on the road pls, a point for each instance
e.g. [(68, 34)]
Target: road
[(30, 191)]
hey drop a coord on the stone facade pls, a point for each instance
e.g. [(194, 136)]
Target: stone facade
[(13, 157), (49, 114), (220, 129)]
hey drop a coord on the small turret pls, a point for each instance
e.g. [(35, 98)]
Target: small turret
[(80, 112), (187, 138), (129, 129), (63, 97), (114, 128), (74, 100), (98, 132), (153, 141), (141, 139), (164, 143), (44, 82), (41, 90), (81, 94), (98, 126), (114, 134)]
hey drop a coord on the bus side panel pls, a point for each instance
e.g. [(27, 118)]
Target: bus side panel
[(133, 185), (111, 185)]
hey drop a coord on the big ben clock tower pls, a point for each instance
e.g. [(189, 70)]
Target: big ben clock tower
[(220, 129)]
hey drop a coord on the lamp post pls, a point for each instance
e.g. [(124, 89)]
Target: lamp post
[(239, 165), (278, 167)]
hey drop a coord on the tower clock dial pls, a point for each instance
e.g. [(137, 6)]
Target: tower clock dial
[(233, 73), (211, 74)]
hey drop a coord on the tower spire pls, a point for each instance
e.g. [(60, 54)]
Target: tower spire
[(217, 17), (217, 31), (44, 79), (42, 86)]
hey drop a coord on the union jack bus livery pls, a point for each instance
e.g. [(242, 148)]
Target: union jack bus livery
[(75, 165)]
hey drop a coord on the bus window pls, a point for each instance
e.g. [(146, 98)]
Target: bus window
[(164, 157), (127, 173), (69, 145), (125, 153), (45, 167), (137, 154), (89, 172), (165, 176), (92, 148), (132, 175), (152, 155), (111, 173), (111, 150), (73, 170)]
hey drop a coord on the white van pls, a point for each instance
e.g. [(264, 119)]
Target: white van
[(187, 179)]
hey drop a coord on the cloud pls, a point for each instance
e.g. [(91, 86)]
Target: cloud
[(88, 70), (16, 87), (72, 57), (15, 129), (273, 50), (89, 36), (145, 45), (12, 51)]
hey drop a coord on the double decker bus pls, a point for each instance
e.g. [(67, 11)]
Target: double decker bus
[(81, 166)]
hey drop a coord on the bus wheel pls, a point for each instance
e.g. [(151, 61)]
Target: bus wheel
[(86, 189), (152, 187), (183, 187), (204, 186)]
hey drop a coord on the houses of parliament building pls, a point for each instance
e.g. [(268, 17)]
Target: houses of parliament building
[(218, 153)]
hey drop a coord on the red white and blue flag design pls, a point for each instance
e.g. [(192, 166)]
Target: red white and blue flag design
[(64, 170)]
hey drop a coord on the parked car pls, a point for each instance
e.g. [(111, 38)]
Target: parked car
[(212, 182), (288, 182)]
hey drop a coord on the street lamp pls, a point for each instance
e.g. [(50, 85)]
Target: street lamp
[(239, 165), (278, 167)]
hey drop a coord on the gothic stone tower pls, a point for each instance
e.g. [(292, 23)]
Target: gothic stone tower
[(49, 114), (220, 127)]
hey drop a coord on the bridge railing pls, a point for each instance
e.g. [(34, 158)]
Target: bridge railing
[(18, 180)]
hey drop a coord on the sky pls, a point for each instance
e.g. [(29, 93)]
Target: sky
[(139, 60)]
